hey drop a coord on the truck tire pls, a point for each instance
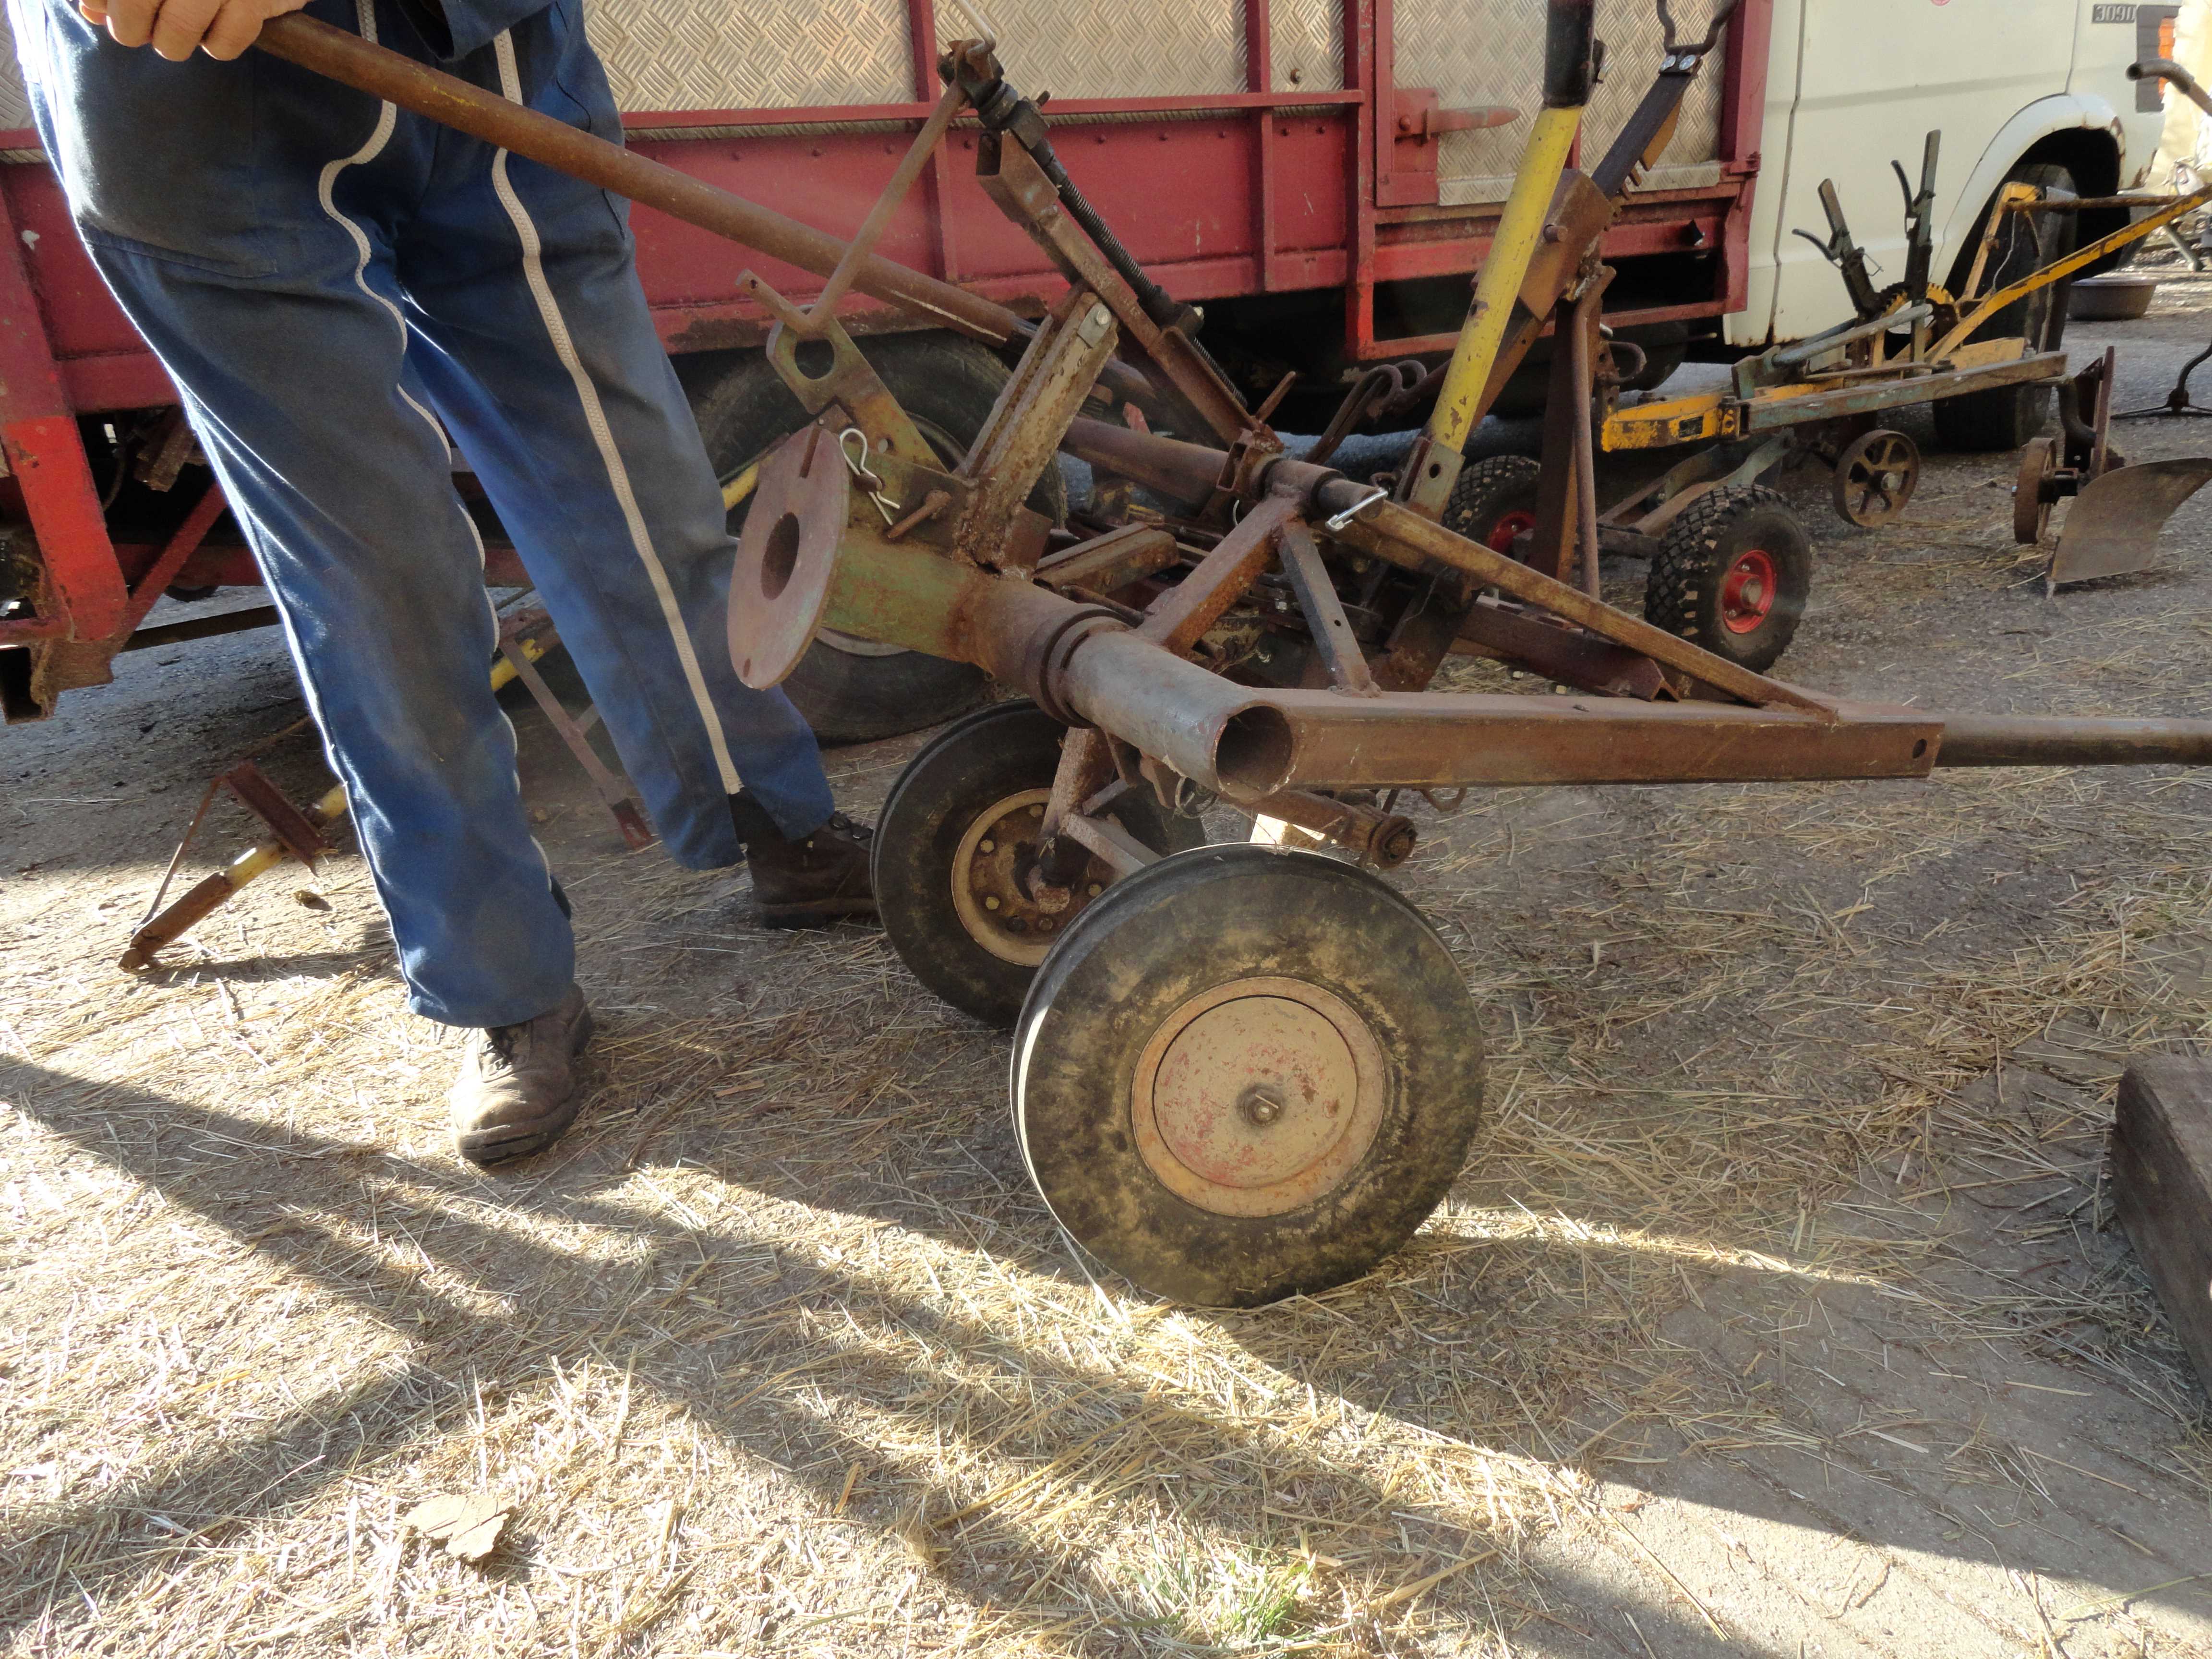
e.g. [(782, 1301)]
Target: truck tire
[(1733, 574), (2006, 417), (851, 690)]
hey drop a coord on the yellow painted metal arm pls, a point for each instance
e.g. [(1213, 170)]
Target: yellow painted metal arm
[(1520, 232), (2059, 271)]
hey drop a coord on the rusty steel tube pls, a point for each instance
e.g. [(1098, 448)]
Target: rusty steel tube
[(2056, 741), (445, 98), (1184, 471)]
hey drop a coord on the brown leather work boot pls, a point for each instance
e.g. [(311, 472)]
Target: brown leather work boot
[(516, 1094), (813, 880)]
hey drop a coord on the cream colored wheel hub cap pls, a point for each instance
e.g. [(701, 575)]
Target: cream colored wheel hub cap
[(1258, 1096)]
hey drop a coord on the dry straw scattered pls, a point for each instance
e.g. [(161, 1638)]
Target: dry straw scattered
[(783, 1355)]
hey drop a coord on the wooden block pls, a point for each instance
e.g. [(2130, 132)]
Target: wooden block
[(2162, 1189)]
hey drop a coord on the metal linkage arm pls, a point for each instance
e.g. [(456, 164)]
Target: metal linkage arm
[(1919, 217), (1500, 298), (1003, 110), (1843, 252), (1650, 127)]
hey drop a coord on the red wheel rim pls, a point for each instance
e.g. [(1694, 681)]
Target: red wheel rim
[(1748, 591), (1509, 526)]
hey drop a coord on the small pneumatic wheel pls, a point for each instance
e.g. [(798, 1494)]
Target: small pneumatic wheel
[(1247, 1073), (1495, 500), (1876, 477), (1732, 574), (957, 839)]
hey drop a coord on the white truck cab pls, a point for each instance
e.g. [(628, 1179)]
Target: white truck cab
[(2017, 86)]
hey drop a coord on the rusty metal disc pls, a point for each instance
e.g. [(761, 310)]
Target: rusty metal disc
[(1258, 1096), (787, 557), (1876, 477), (2031, 503)]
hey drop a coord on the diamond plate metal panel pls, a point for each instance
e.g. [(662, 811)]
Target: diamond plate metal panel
[(787, 54), (1120, 48), (15, 108), (758, 54), (1500, 60), (1305, 40)]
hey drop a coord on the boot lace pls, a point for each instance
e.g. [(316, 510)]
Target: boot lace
[(500, 1042)]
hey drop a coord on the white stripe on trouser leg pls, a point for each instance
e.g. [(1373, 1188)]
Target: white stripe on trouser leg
[(533, 265), (387, 119)]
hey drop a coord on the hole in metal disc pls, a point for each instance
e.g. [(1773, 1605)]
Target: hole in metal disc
[(782, 557)]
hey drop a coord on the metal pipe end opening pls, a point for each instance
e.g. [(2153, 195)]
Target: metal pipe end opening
[(1253, 754)]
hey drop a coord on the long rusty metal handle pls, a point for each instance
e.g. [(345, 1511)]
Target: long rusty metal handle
[(2064, 740), (385, 74)]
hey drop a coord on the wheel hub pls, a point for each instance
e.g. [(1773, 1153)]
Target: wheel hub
[(1747, 591), (990, 889), (1508, 528), (1257, 1096)]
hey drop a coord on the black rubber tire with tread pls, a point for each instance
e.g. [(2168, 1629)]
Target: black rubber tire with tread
[(973, 763), (1489, 490), (1172, 932), (948, 385), (1683, 591), (2006, 417)]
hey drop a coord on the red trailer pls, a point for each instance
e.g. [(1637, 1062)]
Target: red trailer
[(1313, 173)]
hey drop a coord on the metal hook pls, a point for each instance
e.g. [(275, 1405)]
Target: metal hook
[(858, 467), (975, 15), (868, 481), (1342, 521), (1725, 10)]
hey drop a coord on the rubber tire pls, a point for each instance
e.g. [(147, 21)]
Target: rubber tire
[(2006, 417), (1487, 491), (977, 761), (949, 385), (1175, 930), (1683, 593)]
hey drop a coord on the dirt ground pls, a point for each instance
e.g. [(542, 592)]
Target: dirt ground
[(1780, 1311)]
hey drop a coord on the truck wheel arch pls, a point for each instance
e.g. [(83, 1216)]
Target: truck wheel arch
[(2081, 132)]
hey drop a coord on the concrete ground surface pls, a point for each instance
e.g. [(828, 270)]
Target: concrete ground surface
[(1780, 1311)]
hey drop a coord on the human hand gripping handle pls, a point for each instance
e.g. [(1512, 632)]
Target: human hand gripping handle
[(222, 28)]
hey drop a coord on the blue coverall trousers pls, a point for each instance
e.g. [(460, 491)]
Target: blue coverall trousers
[(327, 280)]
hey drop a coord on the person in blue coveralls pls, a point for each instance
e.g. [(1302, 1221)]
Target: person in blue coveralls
[(334, 286)]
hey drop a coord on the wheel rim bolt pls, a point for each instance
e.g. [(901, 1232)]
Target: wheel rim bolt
[(1095, 890), (987, 846), (990, 902)]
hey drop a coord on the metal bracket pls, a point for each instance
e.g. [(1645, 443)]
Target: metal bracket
[(1325, 618), (266, 802), (574, 730)]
